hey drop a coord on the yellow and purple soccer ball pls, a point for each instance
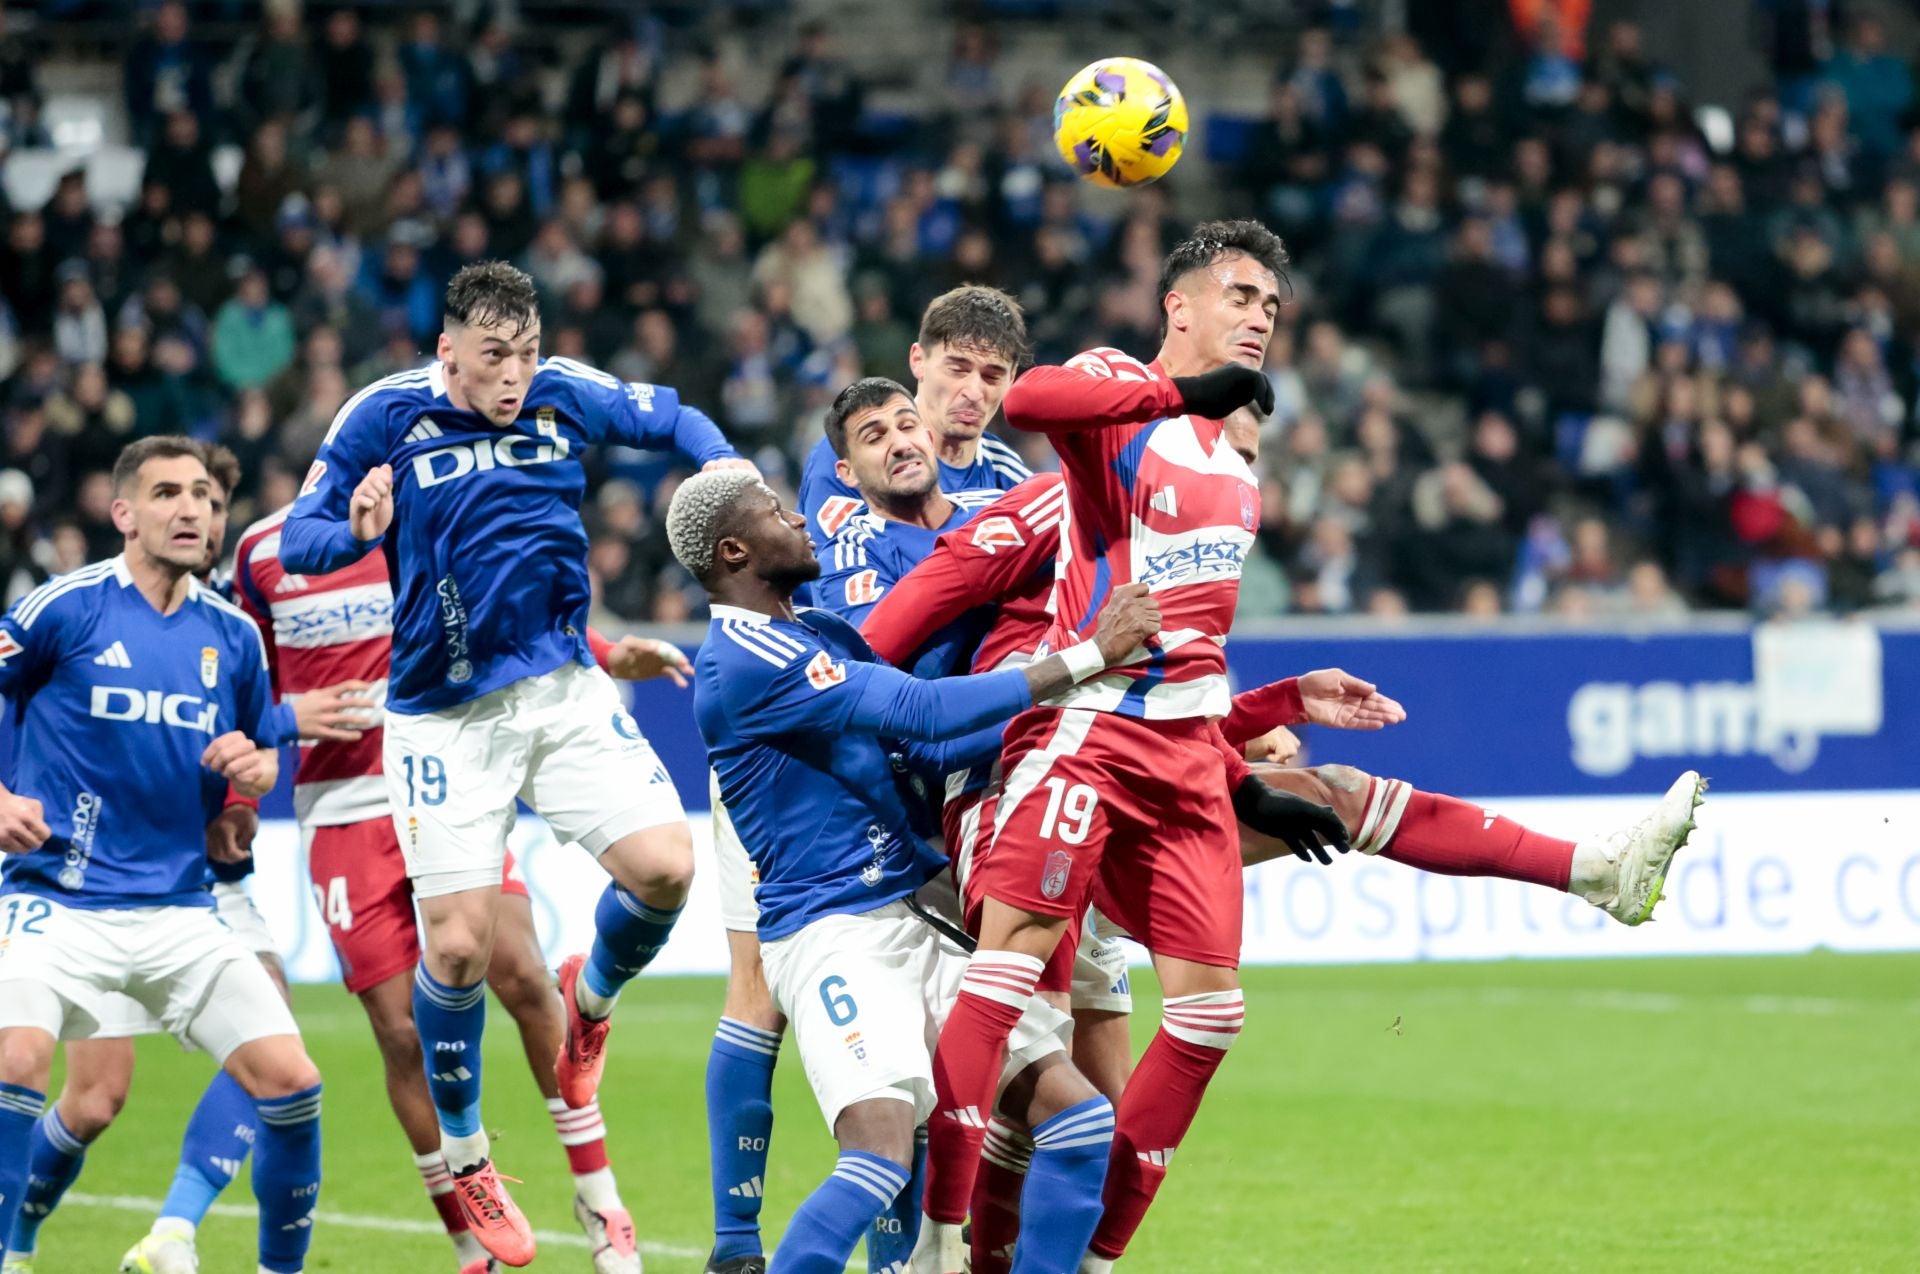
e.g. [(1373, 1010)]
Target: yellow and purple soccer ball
[(1120, 122)]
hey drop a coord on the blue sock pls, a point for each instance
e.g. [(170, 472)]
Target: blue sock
[(1062, 1194), (286, 1178), (627, 934), (19, 1111), (218, 1139), (895, 1231), (739, 1126), (831, 1223), (450, 1020), (53, 1163)]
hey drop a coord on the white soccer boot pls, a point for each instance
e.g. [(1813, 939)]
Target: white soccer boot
[(166, 1249), (17, 1263), (1623, 871), (610, 1238)]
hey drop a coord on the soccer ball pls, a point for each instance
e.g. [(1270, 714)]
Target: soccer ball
[(1120, 122)]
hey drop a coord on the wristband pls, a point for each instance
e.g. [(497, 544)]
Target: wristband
[(1084, 660)]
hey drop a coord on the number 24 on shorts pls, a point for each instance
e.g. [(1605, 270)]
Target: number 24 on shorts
[(426, 781)]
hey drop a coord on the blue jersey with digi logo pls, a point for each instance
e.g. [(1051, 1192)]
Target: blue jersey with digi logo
[(829, 503), (486, 548), (808, 733), (113, 704)]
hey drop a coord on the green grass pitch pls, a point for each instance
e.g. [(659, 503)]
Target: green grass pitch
[(1737, 1114)]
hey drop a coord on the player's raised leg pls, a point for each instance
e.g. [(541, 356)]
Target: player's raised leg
[(1621, 871), (518, 976)]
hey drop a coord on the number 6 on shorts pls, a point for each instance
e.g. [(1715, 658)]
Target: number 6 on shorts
[(841, 1009)]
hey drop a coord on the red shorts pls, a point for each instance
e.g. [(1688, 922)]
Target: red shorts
[(967, 823), (360, 885), (1133, 816)]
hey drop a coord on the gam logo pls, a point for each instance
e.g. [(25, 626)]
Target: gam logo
[(1613, 724)]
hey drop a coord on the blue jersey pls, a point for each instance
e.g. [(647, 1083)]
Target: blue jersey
[(486, 547), (827, 502), (871, 552), (810, 736), (113, 704)]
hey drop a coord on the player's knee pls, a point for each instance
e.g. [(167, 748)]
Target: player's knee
[(26, 1057), (90, 1110), (655, 865), (283, 1077), (1212, 1019), (1346, 792)]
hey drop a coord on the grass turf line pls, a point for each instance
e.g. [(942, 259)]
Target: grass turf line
[(1753, 1114)]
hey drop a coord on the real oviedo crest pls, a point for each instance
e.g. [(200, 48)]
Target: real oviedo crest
[(209, 667)]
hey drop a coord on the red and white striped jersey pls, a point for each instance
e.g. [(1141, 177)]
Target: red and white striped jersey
[(321, 630), (1154, 496)]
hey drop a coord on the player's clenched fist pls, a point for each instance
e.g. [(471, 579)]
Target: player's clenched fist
[(230, 835), (252, 770), (21, 826), (1128, 619), (371, 511)]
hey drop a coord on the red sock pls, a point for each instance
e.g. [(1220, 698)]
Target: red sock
[(966, 1074), (439, 1183), (1456, 838), (995, 1214), (1159, 1105), (582, 1132)]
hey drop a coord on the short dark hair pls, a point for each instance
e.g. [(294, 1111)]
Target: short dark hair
[(862, 395), (978, 316), (489, 292), (224, 468), (1213, 240), (126, 467)]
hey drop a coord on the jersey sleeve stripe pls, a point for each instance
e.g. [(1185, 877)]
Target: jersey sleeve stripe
[(580, 371), (399, 380), (35, 603), (779, 640), (744, 636)]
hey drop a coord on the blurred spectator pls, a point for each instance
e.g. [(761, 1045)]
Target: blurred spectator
[(252, 334), (166, 74)]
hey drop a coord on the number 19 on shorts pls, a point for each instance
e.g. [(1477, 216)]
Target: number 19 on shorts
[(426, 780), (1069, 815)]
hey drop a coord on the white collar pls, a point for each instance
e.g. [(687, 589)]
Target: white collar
[(738, 614)]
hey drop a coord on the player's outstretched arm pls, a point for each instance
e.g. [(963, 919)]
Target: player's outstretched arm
[(646, 416), (1104, 387), (640, 658), (1334, 697)]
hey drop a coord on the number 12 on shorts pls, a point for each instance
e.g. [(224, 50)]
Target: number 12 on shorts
[(1069, 815), (426, 780)]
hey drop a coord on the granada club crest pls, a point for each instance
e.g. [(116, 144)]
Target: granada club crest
[(1249, 510), (1053, 881), (822, 672), (209, 667)]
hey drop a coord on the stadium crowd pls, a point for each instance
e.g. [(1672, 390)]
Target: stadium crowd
[(1557, 343)]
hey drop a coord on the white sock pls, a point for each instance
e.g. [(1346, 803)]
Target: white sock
[(265, 1270), (466, 1248), (1091, 1264), (592, 1003), (464, 1153), (1593, 875), (174, 1225), (597, 1189)]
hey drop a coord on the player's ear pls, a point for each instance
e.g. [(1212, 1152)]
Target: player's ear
[(916, 360), (443, 348), (844, 471), (122, 511), (730, 551), (1176, 311)]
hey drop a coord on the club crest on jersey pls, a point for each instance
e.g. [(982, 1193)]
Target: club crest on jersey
[(9, 647), (1053, 880), (864, 588), (546, 423), (209, 667), (990, 535), (822, 672), (834, 513), (1249, 512)]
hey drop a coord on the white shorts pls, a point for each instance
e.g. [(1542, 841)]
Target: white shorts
[(180, 967), (733, 872), (564, 743), (1100, 980), (122, 1016), (867, 996)]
